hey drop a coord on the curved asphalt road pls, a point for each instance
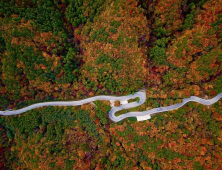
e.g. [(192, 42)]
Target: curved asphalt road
[(160, 109), (140, 94)]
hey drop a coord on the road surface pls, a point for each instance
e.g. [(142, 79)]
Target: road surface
[(140, 115)]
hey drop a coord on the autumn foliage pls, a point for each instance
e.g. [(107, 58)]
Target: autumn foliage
[(74, 49)]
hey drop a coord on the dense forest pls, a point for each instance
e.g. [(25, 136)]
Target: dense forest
[(74, 49)]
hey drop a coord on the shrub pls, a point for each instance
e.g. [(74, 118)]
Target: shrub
[(113, 30), (76, 11), (115, 24), (158, 54)]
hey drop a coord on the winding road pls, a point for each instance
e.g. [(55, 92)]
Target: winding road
[(144, 115)]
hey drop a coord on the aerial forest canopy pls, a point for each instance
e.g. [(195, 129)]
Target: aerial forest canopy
[(73, 49)]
